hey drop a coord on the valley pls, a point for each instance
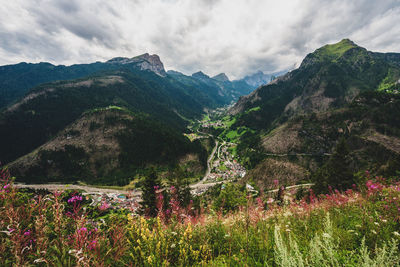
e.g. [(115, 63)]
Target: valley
[(144, 148), (222, 167), (199, 133)]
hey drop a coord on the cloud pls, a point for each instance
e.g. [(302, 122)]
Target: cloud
[(236, 37)]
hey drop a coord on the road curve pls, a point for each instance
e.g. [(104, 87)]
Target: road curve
[(209, 161)]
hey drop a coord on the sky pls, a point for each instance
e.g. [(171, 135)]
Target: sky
[(238, 37)]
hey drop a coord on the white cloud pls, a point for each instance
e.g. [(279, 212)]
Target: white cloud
[(237, 37)]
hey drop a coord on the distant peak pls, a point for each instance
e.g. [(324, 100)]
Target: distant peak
[(200, 74), (221, 77), (143, 62)]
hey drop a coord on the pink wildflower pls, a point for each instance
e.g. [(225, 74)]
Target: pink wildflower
[(104, 206), (92, 245)]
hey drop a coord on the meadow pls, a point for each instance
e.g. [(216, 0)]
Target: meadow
[(357, 227)]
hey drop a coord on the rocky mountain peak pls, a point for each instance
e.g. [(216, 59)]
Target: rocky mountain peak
[(257, 79), (143, 62), (221, 77)]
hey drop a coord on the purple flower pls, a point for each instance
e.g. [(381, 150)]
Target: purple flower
[(27, 233), (82, 230), (75, 199), (6, 186), (92, 245), (104, 206)]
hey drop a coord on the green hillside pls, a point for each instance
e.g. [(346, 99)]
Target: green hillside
[(49, 108), (110, 146), (299, 118)]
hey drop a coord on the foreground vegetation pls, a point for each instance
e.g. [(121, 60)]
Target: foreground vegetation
[(351, 228)]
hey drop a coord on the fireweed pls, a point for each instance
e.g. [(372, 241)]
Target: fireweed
[(358, 227)]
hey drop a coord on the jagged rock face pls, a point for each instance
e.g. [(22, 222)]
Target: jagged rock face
[(143, 62), (257, 79), (200, 75), (221, 77)]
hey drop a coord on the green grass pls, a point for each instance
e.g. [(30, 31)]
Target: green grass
[(222, 167), (334, 51), (232, 134), (340, 229), (390, 81), (253, 109)]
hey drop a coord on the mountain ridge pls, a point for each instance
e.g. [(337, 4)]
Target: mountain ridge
[(284, 117)]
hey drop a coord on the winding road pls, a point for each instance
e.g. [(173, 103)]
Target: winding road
[(136, 193)]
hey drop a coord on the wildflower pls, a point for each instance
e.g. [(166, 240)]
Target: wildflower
[(74, 199), (374, 232), (376, 223), (383, 220), (104, 206), (82, 230), (27, 233), (396, 233), (326, 235), (92, 245), (6, 186)]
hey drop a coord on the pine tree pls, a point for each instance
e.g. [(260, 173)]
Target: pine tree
[(149, 197)]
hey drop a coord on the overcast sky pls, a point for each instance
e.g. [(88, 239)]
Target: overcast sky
[(237, 37)]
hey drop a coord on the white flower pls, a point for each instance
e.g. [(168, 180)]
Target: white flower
[(376, 223), (374, 232), (396, 233), (326, 235)]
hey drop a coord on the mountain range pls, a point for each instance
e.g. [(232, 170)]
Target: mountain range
[(41, 101), (110, 122), (290, 127)]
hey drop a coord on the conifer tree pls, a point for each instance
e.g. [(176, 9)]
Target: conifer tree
[(149, 196)]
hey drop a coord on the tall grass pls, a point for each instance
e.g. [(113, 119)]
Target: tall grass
[(338, 229)]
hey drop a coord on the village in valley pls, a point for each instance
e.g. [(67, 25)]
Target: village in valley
[(222, 166)]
